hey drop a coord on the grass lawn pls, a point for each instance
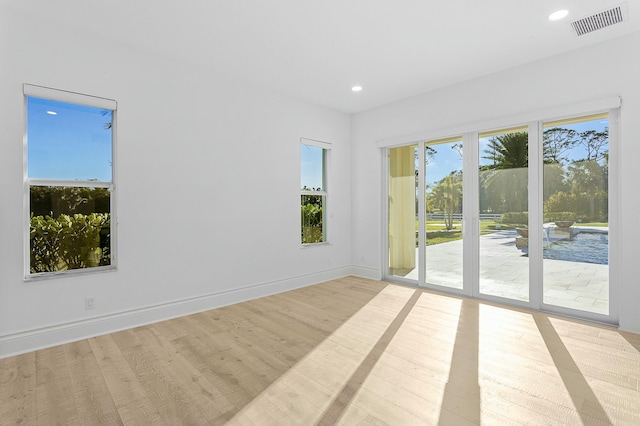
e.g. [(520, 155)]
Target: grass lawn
[(437, 234)]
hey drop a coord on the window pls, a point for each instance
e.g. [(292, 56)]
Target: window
[(313, 194), (68, 182)]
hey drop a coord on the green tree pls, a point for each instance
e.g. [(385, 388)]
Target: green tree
[(505, 179), (557, 143), (595, 144), (446, 196), (554, 180), (57, 200), (311, 218), (508, 151), (588, 177), (576, 185)]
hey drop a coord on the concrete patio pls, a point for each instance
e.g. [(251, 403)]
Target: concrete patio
[(504, 272)]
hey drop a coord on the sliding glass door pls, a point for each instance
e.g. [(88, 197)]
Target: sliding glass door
[(437, 228), (576, 214), (402, 212), (526, 223), (503, 213), (443, 243)]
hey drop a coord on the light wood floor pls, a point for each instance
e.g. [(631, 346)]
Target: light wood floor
[(350, 351)]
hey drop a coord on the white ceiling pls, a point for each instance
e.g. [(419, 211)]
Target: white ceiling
[(316, 50)]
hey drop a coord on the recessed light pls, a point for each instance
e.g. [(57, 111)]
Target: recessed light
[(52, 113), (356, 88), (559, 14)]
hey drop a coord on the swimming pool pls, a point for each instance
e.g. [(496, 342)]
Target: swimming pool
[(586, 247)]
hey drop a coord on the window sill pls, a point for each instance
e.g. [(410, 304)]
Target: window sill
[(311, 245), (76, 272)]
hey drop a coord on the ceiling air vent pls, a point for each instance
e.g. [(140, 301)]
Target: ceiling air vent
[(598, 21)]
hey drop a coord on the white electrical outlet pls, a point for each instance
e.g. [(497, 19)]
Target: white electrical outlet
[(89, 303)]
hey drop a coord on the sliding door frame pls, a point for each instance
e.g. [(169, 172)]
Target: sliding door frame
[(471, 222)]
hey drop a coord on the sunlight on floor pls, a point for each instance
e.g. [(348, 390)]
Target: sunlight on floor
[(413, 357), (304, 393)]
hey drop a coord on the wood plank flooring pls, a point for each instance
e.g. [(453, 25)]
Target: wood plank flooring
[(350, 352)]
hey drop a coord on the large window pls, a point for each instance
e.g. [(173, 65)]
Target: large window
[(313, 193), (68, 182)]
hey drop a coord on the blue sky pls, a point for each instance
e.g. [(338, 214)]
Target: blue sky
[(73, 144), (67, 141), (447, 159), (443, 162), (576, 153), (311, 166)]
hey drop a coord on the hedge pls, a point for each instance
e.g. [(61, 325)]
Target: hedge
[(70, 242), (515, 218)]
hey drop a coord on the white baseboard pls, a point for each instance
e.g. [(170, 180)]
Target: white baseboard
[(31, 340), (364, 272)]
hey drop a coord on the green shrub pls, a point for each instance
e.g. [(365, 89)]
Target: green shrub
[(311, 216), (57, 200), (556, 216), (587, 207), (69, 242), (515, 218)]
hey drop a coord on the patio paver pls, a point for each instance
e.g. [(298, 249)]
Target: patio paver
[(504, 272)]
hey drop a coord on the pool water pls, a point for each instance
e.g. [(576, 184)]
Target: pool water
[(584, 247)]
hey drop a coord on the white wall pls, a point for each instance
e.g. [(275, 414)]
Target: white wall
[(597, 72), (208, 177), (207, 189)]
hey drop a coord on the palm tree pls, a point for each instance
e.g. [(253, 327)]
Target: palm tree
[(508, 151), (446, 195), (506, 179)]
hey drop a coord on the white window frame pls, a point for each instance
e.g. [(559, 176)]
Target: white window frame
[(80, 99), (326, 147)]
